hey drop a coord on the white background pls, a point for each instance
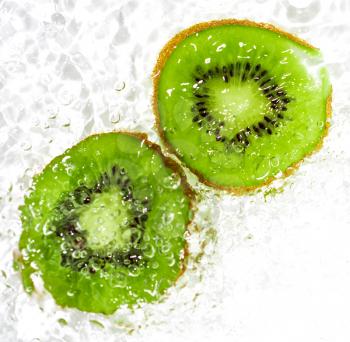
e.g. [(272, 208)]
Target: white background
[(266, 267)]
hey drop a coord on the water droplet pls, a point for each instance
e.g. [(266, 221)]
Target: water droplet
[(119, 86), (66, 123), (65, 97), (97, 323), (115, 118), (62, 321), (220, 47), (26, 146), (58, 19)]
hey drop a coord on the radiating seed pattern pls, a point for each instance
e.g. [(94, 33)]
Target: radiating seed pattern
[(280, 256)]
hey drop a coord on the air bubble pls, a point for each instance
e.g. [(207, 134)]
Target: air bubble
[(321, 124), (274, 161), (76, 254), (168, 218), (165, 248), (263, 169), (154, 265), (150, 251), (119, 281), (171, 261), (172, 182)]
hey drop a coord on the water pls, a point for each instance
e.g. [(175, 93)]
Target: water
[(271, 266)]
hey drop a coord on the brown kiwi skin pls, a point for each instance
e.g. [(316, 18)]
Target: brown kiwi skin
[(165, 54), (168, 162)]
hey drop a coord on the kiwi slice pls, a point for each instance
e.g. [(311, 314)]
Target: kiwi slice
[(240, 102), (104, 223)]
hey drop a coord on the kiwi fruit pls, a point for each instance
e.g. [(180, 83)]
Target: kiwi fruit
[(240, 103), (104, 224)]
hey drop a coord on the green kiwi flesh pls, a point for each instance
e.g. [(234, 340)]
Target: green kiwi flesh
[(104, 224), (240, 102)]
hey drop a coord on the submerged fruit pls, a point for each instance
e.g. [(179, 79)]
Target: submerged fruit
[(104, 223), (240, 102)]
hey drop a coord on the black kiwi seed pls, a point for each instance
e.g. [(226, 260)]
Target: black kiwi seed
[(267, 119), (231, 70), (261, 125), (241, 136), (199, 69), (265, 82), (87, 200), (256, 129), (263, 73)]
